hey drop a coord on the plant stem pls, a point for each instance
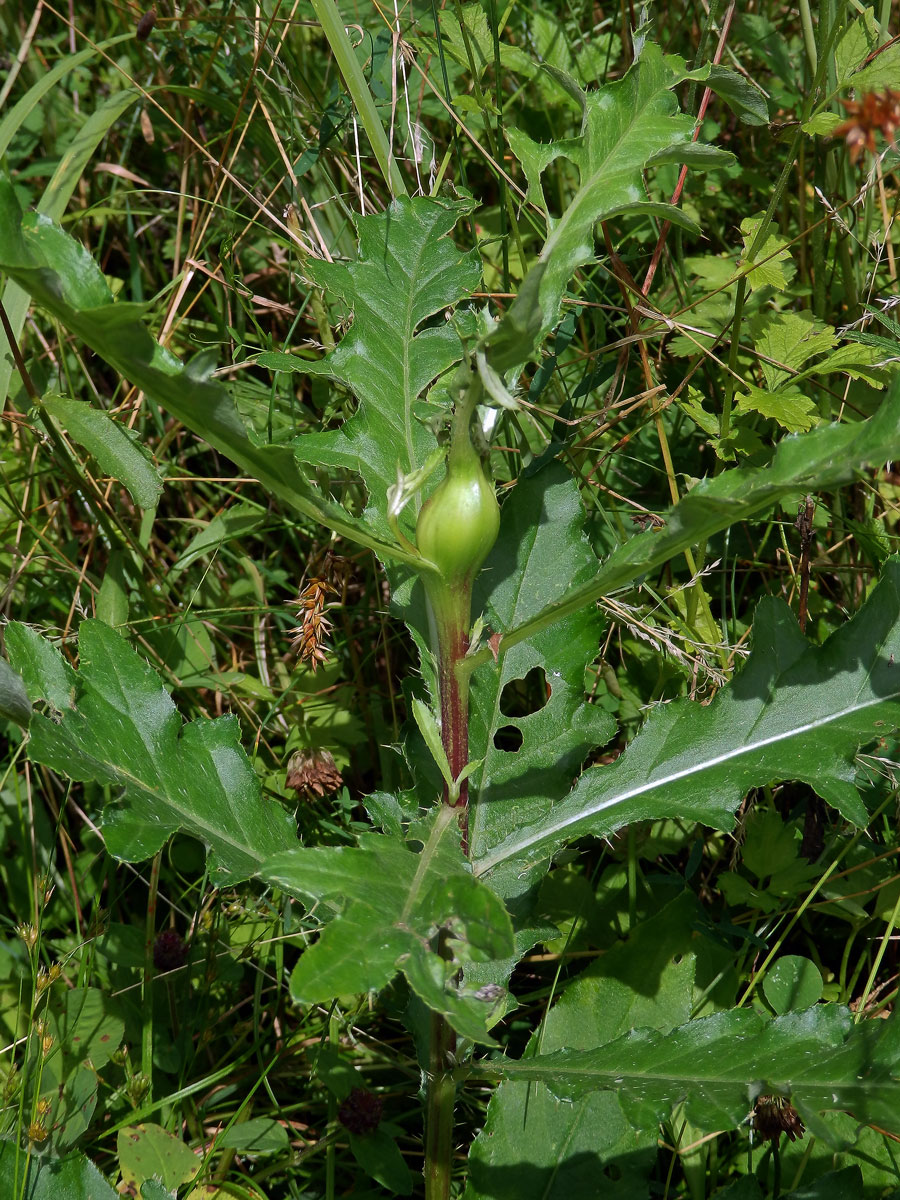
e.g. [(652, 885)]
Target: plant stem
[(147, 982), (439, 1105), (452, 619), (451, 606), (450, 601)]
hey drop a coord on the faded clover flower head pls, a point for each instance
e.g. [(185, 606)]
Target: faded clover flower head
[(313, 774)]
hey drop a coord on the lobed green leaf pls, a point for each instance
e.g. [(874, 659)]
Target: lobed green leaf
[(117, 725)]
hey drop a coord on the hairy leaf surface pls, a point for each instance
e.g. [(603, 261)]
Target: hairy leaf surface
[(117, 725), (532, 1142), (392, 898)]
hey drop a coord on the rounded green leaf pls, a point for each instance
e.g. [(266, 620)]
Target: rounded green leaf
[(793, 984), (149, 1152)]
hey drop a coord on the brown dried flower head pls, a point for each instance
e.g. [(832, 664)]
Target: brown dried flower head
[(313, 774), (874, 112), (774, 1115)]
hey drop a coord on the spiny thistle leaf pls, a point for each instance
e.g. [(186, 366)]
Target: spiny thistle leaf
[(795, 711), (408, 276), (820, 1059), (115, 724)]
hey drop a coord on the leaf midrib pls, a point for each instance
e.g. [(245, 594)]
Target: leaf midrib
[(511, 848)]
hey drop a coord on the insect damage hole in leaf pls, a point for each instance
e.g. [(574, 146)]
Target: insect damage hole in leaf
[(508, 738), (524, 696)]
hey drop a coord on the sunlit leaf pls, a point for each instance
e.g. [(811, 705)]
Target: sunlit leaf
[(63, 279), (788, 406), (646, 981), (795, 711), (392, 899), (117, 725), (628, 126), (771, 262), (815, 461), (408, 277), (117, 452)]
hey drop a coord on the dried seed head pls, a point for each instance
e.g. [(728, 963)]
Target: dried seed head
[(774, 1115), (313, 774), (314, 626)]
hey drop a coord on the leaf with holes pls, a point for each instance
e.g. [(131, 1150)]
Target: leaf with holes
[(529, 721), (796, 711)]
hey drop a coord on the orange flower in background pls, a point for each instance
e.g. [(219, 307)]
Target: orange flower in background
[(876, 112)]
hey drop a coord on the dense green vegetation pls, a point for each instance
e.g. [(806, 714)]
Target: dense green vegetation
[(354, 841)]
